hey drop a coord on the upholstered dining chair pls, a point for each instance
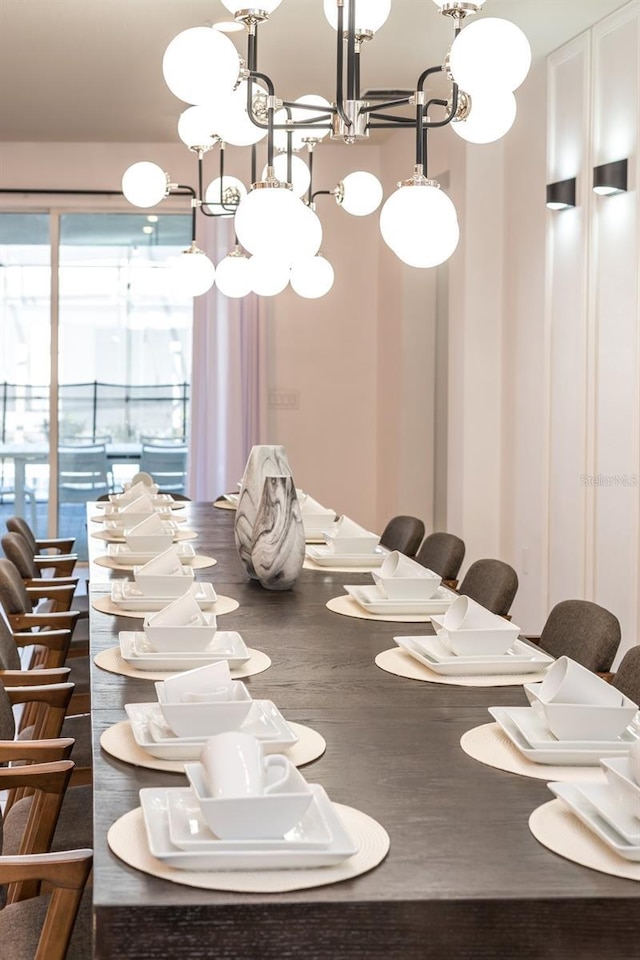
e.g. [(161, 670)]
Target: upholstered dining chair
[(17, 549), (443, 553), (38, 544), (492, 583), (627, 677), (403, 533), (584, 631)]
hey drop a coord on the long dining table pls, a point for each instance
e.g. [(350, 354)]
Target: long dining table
[(464, 877)]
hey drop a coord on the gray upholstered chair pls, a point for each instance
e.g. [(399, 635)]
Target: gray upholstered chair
[(18, 550), (584, 631), (627, 677), (443, 553), (492, 583), (404, 534), (39, 544)]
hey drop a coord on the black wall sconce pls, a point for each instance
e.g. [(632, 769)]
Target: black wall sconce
[(561, 194), (610, 178)]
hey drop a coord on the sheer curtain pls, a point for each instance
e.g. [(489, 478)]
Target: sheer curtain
[(228, 379)]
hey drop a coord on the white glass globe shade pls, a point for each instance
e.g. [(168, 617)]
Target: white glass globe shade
[(269, 275), (362, 193), (233, 276), (312, 278), (420, 225), (370, 14), (300, 173), (233, 190), (492, 115), (306, 236), (144, 184), (237, 128), (197, 127), (200, 64), (192, 273), (267, 5), (264, 216), (490, 53)]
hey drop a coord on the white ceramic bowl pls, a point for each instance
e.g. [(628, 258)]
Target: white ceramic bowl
[(481, 642), (585, 721), (420, 587), (532, 692), (266, 816), (318, 521), (170, 585), (351, 546), (618, 773), (149, 543), (191, 638), (206, 719)]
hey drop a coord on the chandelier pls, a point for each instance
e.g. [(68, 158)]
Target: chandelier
[(278, 231)]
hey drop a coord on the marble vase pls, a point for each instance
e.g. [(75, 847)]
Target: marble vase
[(278, 545), (265, 460)]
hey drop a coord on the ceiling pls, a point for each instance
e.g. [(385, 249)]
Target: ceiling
[(90, 70)]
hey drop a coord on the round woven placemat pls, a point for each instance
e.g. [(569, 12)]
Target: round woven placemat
[(111, 661), (489, 744), (127, 838), (109, 537), (119, 742), (106, 605), (559, 830), (402, 664), (199, 562), (349, 608), (224, 505)]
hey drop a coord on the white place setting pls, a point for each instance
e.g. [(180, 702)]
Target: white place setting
[(151, 534), (574, 720), (347, 546), (119, 556), (315, 518), (250, 812)]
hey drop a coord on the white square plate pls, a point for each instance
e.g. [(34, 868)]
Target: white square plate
[(121, 553), (577, 798), (537, 734), (226, 645), (371, 600), (433, 654), (155, 808), (128, 596), (152, 732), (325, 557)]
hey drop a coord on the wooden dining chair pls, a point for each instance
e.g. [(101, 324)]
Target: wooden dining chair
[(627, 677), (491, 583), (403, 533), (38, 545), (443, 553), (17, 549), (584, 631)]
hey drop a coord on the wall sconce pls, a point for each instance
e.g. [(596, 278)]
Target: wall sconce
[(561, 194), (610, 178)]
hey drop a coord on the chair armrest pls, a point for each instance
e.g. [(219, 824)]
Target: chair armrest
[(51, 776), (63, 564), (36, 751), (451, 584), (62, 619), (63, 544), (34, 678), (68, 870), (40, 583), (53, 694), (61, 596)]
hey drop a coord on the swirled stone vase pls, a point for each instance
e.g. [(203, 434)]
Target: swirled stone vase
[(265, 460), (278, 546)]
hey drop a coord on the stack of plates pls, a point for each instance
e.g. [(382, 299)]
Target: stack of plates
[(179, 837), (121, 553), (227, 645), (535, 741), (373, 601), (154, 735), (326, 557), (598, 807), (126, 594), (432, 652)]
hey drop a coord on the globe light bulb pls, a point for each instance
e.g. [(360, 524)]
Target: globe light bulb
[(192, 272), (360, 193), (269, 275), (491, 116), (200, 64), (233, 276), (312, 278), (490, 53), (264, 217), (370, 14), (420, 224), (300, 173), (236, 127), (233, 6), (144, 184), (306, 236), (197, 127), (224, 193)]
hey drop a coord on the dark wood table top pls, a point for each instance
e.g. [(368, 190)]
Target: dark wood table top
[(464, 877)]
